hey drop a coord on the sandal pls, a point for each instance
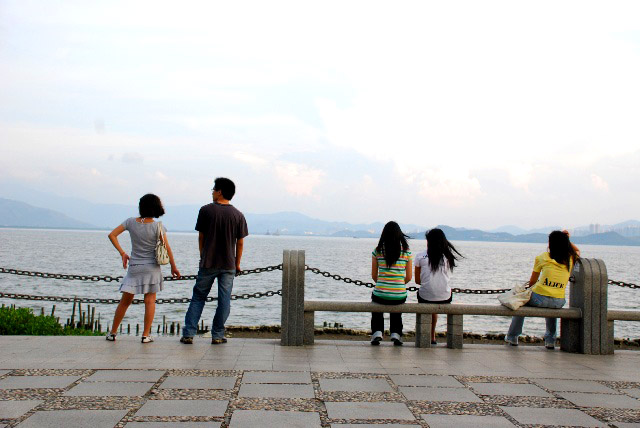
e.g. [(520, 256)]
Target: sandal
[(111, 337), (147, 339)]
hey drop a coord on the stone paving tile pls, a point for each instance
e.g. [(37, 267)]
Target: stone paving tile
[(429, 380), (608, 401), (537, 416), (276, 377), (14, 409), (466, 421), (571, 385), (509, 389), (183, 408), (426, 393), (27, 382), (280, 390), (634, 392), (125, 376), (268, 418), (173, 425), (362, 410), (198, 382), (74, 419), (353, 385), (373, 426), (109, 389)]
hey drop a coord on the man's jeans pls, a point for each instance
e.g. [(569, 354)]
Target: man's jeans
[(540, 301), (201, 290)]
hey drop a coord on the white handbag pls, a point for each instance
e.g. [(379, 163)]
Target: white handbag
[(162, 255), (516, 297)]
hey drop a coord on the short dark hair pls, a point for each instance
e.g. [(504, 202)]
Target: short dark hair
[(150, 206), (226, 186)]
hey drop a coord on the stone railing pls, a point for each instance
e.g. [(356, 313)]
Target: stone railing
[(586, 325)]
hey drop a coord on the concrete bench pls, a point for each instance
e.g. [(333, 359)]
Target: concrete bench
[(423, 311), (585, 326)]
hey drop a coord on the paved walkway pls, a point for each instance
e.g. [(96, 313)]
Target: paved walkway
[(86, 381)]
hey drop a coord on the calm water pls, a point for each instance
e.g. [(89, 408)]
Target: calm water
[(486, 265)]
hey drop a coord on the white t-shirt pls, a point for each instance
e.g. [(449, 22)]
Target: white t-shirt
[(434, 286)]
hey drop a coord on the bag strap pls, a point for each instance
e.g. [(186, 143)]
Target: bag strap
[(160, 235)]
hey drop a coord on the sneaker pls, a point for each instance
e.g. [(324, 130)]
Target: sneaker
[(512, 342), (186, 340), (376, 338), (111, 337), (147, 339), (550, 346), (396, 339), (218, 341)]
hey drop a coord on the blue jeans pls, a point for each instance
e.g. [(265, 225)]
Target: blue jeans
[(201, 290), (515, 329)]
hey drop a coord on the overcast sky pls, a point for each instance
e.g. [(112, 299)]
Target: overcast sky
[(475, 114)]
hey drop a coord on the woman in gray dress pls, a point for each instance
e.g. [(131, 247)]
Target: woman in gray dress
[(144, 275)]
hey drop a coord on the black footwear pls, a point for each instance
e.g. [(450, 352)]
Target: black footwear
[(376, 337), (433, 342), (186, 340), (111, 337), (396, 339), (550, 347), (218, 341)]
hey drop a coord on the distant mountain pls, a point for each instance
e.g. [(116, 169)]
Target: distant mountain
[(20, 214), (459, 234)]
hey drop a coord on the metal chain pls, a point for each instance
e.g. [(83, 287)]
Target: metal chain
[(108, 278), (135, 301), (454, 290), (623, 284)]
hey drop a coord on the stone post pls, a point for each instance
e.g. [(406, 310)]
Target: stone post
[(589, 335), (423, 330), (454, 331), (292, 321)]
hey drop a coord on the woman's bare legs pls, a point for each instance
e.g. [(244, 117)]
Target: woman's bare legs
[(149, 312), (434, 320), (125, 301)]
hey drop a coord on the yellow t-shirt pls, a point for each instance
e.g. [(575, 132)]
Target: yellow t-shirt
[(553, 278)]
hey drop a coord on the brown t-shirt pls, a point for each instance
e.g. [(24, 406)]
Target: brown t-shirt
[(222, 226)]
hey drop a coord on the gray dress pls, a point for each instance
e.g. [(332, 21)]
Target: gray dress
[(144, 274)]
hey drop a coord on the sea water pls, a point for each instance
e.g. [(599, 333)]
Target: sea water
[(486, 265)]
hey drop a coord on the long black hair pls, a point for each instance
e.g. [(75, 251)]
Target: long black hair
[(560, 248), (392, 242), (438, 247)]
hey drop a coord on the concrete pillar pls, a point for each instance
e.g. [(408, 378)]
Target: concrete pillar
[(454, 331), (309, 328), (423, 330), (589, 335), (292, 317)]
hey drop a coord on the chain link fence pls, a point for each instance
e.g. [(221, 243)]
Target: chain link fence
[(108, 278)]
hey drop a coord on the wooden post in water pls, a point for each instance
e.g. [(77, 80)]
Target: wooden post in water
[(137, 329), (292, 316), (53, 310), (42, 311), (129, 329), (158, 329), (164, 324), (73, 313), (80, 312), (93, 314)]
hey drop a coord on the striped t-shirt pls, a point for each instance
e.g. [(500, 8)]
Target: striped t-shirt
[(390, 284)]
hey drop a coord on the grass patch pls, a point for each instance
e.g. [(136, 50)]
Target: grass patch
[(22, 321)]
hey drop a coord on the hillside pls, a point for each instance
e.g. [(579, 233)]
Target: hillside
[(19, 214)]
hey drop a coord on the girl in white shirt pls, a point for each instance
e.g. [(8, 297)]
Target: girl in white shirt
[(432, 272)]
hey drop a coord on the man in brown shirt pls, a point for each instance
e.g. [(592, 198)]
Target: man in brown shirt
[(221, 231)]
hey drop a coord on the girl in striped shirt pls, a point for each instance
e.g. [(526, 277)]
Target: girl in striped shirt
[(391, 270)]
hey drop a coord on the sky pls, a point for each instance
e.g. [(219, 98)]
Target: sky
[(475, 114)]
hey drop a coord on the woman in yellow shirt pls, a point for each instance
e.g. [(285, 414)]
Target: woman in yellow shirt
[(549, 280)]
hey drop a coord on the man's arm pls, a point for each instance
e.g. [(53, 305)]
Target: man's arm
[(239, 248)]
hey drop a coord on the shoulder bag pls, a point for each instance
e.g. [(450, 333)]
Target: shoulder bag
[(162, 255)]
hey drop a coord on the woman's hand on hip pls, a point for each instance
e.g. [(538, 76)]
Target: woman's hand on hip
[(125, 260)]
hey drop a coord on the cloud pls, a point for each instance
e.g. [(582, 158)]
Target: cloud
[(599, 183), (250, 159), (298, 179), (132, 158)]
